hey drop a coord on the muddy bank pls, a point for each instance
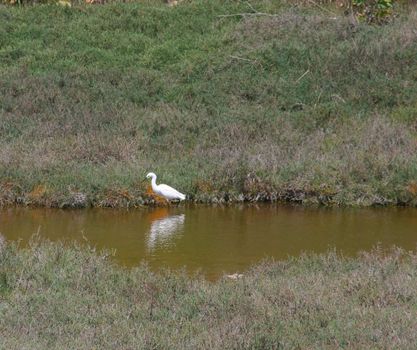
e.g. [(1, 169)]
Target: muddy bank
[(13, 195)]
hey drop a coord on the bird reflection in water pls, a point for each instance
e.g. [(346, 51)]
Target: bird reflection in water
[(163, 226)]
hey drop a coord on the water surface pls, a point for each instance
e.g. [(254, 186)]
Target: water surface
[(216, 240)]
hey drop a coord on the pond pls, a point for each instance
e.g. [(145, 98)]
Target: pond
[(216, 239)]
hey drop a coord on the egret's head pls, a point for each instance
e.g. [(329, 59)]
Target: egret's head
[(150, 175)]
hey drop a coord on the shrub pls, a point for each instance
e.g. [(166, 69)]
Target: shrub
[(374, 11)]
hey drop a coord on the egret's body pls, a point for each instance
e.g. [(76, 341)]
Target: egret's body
[(165, 191)]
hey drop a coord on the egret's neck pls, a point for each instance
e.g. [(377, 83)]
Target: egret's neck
[(154, 186)]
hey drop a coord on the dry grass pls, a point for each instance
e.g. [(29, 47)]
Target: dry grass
[(58, 297)]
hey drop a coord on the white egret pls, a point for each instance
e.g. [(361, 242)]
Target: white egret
[(165, 191)]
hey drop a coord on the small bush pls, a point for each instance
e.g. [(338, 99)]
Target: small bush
[(374, 11)]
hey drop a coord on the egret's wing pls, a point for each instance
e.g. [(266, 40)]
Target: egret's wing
[(170, 192)]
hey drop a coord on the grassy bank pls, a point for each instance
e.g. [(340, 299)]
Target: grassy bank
[(304, 105), (58, 297)]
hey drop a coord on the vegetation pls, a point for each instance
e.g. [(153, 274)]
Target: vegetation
[(225, 100), (57, 297), (374, 11)]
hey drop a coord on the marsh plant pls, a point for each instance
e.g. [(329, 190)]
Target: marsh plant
[(56, 296)]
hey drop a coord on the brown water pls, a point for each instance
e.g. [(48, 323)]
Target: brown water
[(216, 239)]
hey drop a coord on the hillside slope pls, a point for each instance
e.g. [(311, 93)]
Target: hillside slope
[(299, 105)]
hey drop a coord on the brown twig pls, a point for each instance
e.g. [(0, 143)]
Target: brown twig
[(244, 14), (255, 62), (242, 59), (322, 8), (303, 75)]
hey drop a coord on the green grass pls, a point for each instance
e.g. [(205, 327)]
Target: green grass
[(67, 297), (303, 105)]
